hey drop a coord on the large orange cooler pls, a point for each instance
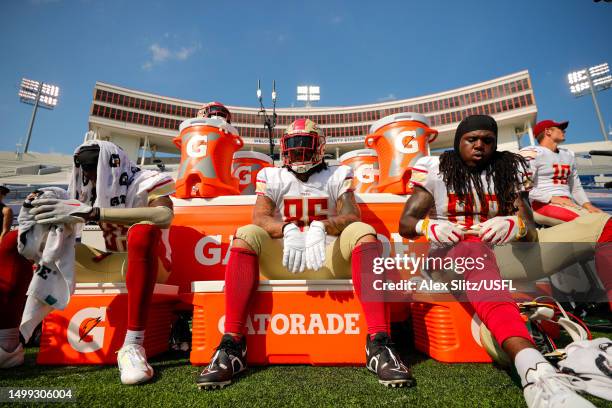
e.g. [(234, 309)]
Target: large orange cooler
[(399, 140), (447, 330), (207, 146), (364, 163), (246, 165), (91, 329), (316, 322)]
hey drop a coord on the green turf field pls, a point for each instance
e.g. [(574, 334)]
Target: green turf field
[(438, 385)]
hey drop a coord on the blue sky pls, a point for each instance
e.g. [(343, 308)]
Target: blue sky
[(358, 52)]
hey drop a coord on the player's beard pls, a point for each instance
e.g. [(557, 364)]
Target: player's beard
[(305, 176)]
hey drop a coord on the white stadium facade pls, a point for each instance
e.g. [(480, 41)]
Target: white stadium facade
[(144, 124)]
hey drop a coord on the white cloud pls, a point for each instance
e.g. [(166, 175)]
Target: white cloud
[(160, 54), (390, 97), (337, 19), (186, 52)]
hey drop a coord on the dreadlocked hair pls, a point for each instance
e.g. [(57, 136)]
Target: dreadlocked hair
[(504, 170)]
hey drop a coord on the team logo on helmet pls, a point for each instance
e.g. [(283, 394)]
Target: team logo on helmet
[(302, 145), (114, 160), (215, 109)]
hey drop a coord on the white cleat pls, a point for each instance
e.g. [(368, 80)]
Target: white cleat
[(133, 365), (12, 359), (547, 388)]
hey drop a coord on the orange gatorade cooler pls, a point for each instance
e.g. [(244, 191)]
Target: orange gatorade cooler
[(365, 168), (316, 322), (245, 167), (92, 327), (447, 330), (207, 146), (400, 140)]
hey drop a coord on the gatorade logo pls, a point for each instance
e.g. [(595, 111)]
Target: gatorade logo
[(85, 329), (295, 323), (197, 146), (366, 173), (208, 250), (244, 174), (406, 142)]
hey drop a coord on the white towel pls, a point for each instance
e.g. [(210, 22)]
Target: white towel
[(51, 247), (120, 183)]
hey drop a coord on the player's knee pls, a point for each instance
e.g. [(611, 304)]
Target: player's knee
[(142, 238), (250, 237), (356, 234)]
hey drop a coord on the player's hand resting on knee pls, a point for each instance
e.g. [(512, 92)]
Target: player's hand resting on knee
[(293, 249), (501, 230), (440, 231), (315, 245)]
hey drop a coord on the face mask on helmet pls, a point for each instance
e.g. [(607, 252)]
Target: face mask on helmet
[(215, 109), (302, 146)]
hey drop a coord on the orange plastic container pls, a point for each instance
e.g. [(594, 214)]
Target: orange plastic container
[(447, 330), (365, 168), (245, 167), (92, 327), (290, 322), (207, 146), (399, 140)]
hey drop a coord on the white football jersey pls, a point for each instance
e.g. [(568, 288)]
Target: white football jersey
[(304, 202), (426, 174), (553, 174)]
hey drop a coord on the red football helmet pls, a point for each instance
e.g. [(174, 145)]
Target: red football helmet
[(215, 109), (302, 145)]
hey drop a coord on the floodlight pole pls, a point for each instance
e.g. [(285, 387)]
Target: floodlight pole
[(29, 135), (269, 121), (597, 111)]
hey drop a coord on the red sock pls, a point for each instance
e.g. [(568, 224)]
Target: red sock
[(15, 276), (495, 308), (241, 281), (141, 272), (603, 259), (376, 312)]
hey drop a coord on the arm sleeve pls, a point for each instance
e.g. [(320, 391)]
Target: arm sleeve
[(162, 188), (531, 155), (575, 185), (422, 174), (263, 185), (345, 181)]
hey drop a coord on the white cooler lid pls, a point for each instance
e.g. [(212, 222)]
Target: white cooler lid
[(397, 117), (119, 288), (290, 285), (252, 155), (355, 153), (216, 122)]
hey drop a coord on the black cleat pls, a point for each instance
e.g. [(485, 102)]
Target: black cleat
[(385, 362), (228, 361)]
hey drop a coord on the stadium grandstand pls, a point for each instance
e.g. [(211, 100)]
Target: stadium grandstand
[(144, 124)]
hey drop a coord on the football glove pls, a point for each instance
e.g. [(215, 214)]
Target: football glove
[(293, 249), (55, 211), (315, 245), (440, 231), (501, 230)]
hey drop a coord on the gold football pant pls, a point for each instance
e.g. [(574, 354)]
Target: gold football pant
[(337, 252)]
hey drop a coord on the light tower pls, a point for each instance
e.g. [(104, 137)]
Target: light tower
[(38, 94), (590, 80)]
